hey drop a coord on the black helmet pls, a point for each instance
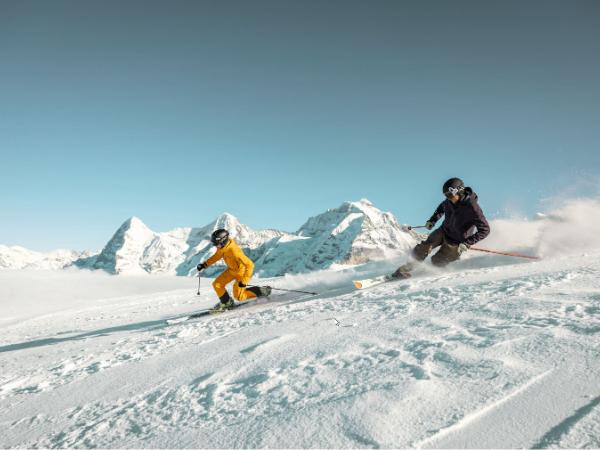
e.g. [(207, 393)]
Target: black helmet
[(453, 186), (219, 237)]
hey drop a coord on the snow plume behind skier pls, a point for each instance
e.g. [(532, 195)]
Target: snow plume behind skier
[(464, 225), (239, 269), (569, 227)]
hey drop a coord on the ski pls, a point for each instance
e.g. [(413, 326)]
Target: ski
[(369, 282), (209, 312), (237, 305)]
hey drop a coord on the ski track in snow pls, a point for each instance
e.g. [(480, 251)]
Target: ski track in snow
[(445, 360)]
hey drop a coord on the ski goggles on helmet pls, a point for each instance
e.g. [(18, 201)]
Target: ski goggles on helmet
[(452, 191), (219, 241)]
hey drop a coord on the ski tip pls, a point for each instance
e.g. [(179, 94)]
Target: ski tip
[(357, 284)]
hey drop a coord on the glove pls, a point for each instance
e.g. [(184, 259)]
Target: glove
[(429, 224), (201, 266), (463, 248), (240, 284)]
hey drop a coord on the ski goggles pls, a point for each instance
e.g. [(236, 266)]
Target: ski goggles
[(452, 191), (217, 242)]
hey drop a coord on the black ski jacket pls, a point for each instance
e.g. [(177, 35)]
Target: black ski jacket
[(461, 219)]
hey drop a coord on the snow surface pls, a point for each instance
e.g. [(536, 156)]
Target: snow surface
[(492, 352), (482, 355)]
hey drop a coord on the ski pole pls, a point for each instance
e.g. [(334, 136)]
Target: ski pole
[(289, 290), (198, 293), (516, 255), (410, 227)]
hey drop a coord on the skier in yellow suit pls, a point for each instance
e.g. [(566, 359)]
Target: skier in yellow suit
[(239, 268)]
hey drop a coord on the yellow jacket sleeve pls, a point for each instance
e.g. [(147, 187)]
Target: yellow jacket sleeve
[(214, 258)]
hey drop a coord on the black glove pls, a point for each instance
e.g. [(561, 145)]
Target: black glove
[(201, 266), (429, 224), (240, 284)]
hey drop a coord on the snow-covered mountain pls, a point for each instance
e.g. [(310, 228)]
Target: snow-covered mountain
[(353, 233), (122, 252), (15, 257), (134, 248)]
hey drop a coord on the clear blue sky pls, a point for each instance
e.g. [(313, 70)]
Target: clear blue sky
[(176, 111)]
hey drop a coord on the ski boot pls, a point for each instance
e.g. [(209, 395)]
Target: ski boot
[(225, 304), (260, 291), (403, 271)]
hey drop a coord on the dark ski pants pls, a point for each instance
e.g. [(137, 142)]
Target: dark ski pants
[(446, 254)]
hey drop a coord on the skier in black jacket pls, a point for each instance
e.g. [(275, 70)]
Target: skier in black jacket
[(464, 225)]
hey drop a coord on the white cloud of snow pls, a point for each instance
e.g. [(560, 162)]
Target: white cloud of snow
[(571, 226)]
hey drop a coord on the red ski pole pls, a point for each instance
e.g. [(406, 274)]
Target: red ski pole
[(516, 255)]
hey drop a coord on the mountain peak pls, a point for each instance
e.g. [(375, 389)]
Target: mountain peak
[(123, 251), (134, 222), (227, 221), (353, 233), (227, 216), (363, 205), (339, 218), (365, 201)]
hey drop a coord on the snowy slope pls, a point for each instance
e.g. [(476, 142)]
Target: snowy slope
[(478, 356)]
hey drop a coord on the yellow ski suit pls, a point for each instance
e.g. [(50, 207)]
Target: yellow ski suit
[(239, 267)]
